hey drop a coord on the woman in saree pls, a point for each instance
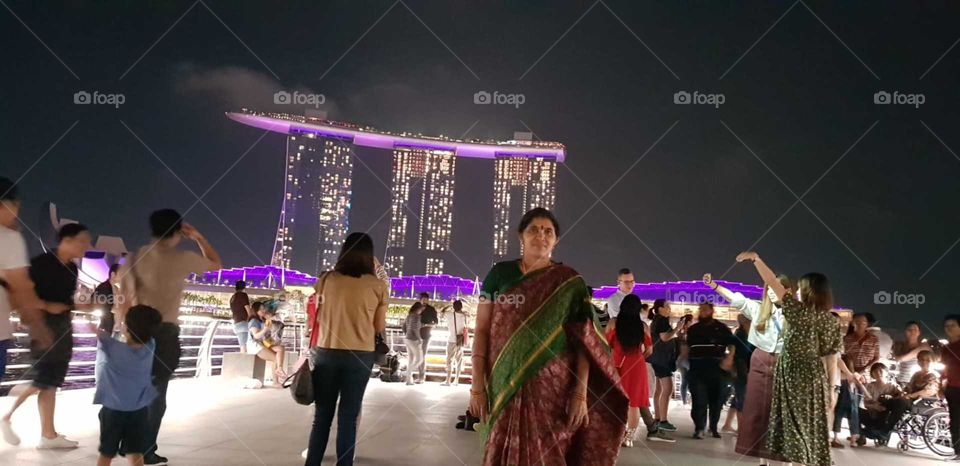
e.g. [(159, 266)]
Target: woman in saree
[(544, 383), (806, 370)]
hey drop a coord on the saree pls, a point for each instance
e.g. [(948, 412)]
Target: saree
[(540, 323)]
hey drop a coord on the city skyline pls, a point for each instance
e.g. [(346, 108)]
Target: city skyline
[(319, 168)]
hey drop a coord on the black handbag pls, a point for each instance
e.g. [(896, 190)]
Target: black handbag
[(380, 349), (301, 384)]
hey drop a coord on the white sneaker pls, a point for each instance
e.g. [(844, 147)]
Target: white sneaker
[(57, 443), (9, 435), (304, 454)]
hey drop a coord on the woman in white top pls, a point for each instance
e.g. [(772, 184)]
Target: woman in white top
[(765, 334), (906, 351), (456, 340)]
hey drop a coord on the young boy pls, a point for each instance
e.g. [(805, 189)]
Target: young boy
[(125, 388), (876, 393)]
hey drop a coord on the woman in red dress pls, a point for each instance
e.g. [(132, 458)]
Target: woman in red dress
[(631, 344)]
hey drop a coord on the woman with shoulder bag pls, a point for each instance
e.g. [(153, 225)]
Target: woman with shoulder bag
[(456, 340), (352, 309)]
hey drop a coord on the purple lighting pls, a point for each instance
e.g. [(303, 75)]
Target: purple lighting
[(389, 141), (265, 276), (441, 287), (690, 292)]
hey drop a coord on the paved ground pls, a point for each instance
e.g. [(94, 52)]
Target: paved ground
[(213, 422)]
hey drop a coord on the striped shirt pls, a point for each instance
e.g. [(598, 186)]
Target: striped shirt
[(862, 351)]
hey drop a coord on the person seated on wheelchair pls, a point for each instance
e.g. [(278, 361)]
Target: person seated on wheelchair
[(875, 395), (922, 390)]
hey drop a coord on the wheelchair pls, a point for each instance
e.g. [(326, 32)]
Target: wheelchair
[(925, 425)]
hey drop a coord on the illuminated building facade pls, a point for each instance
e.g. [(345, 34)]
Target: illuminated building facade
[(319, 168), (316, 203), (421, 209), (519, 184)]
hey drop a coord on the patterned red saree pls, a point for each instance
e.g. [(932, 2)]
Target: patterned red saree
[(539, 324)]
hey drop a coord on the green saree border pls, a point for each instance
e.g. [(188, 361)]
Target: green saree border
[(525, 352)]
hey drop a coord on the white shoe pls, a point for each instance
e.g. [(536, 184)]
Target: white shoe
[(304, 453), (9, 435), (56, 443)]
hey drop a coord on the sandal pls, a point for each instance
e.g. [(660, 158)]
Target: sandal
[(836, 444)]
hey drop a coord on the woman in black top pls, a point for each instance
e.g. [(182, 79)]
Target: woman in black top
[(664, 359), (54, 275)]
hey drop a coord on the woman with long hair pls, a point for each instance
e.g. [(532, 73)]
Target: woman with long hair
[(352, 308), (905, 352), (802, 384), (631, 344), (663, 358), (766, 335), (542, 371)]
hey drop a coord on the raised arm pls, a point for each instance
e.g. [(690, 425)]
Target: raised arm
[(722, 291), (769, 278), (912, 354), (205, 248)]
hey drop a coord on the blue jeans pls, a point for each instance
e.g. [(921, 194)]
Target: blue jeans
[(848, 406), (343, 375), (242, 330)]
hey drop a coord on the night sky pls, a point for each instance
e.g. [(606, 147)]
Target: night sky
[(684, 187)]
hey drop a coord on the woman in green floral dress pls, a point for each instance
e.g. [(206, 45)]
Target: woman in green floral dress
[(801, 388)]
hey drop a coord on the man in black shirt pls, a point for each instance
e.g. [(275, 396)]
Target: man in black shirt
[(103, 300), (428, 319), (54, 275), (708, 341), (240, 308)]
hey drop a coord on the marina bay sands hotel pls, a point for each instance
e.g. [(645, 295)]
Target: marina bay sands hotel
[(318, 187)]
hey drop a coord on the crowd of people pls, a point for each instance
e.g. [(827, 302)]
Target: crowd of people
[(549, 384)]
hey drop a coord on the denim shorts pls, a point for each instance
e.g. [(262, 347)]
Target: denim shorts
[(242, 330)]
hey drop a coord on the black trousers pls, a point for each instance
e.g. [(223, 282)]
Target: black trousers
[(953, 406), (166, 358), (706, 389)]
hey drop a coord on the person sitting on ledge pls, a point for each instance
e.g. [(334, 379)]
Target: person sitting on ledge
[(263, 341)]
